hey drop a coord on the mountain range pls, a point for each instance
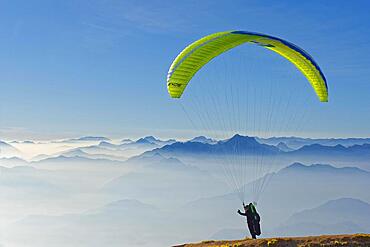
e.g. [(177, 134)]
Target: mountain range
[(89, 138), (155, 174), (95, 227), (339, 216), (8, 151), (289, 190), (298, 142), (236, 145)]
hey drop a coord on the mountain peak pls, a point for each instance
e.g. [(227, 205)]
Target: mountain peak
[(334, 209), (236, 145), (283, 147), (90, 138), (143, 141), (202, 139), (321, 147), (2, 143), (242, 139), (106, 144), (299, 167), (125, 141), (346, 201), (150, 138), (296, 165)]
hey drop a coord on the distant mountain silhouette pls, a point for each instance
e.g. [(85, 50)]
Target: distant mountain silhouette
[(153, 140), (321, 169), (93, 138), (26, 179), (236, 145), (62, 162), (126, 206), (7, 150), (283, 147), (63, 158), (155, 174), (157, 161), (80, 153), (298, 142), (145, 142), (5, 145), (24, 142), (342, 209), (290, 190), (106, 144), (13, 161), (28, 142), (83, 139), (334, 151), (115, 151), (120, 223), (126, 141), (203, 139), (339, 216)]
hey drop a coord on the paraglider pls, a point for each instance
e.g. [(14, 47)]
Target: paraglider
[(253, 219), (249, 155)]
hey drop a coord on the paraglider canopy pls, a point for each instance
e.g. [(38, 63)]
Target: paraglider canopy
[(199, 53)]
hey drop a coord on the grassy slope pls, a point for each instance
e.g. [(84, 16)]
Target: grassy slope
[(325, 240)]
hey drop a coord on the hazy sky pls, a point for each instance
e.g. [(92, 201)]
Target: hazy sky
[(99, 67)]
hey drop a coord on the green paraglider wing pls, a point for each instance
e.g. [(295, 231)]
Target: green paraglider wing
[(199, 53)]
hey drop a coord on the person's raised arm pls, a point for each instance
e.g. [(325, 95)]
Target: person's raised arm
[(239, 212)]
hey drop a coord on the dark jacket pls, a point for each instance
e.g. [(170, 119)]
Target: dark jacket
[(253, 219), (250, 213)]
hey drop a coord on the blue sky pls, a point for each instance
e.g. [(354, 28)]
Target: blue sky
[(99, 67)]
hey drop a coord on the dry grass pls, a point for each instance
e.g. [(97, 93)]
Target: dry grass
[(312, 241)]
